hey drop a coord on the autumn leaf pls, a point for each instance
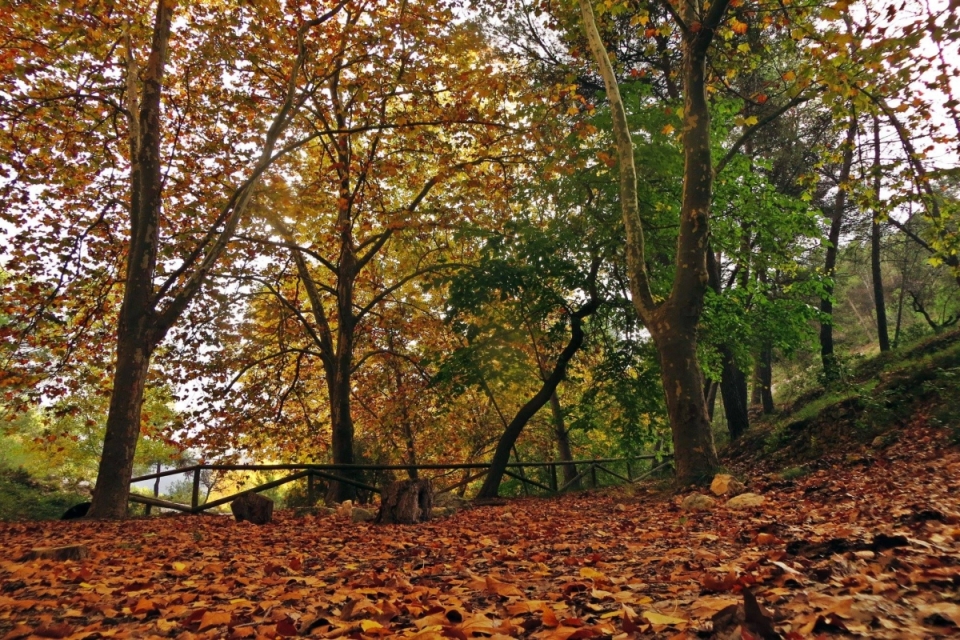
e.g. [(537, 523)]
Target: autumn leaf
[(212, 619), (658, 618), (503, 589)]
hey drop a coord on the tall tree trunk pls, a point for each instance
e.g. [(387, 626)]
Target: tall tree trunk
[(762, 394), (694, 453), (712, 387), (143, 321), (673, 322), (563, 439), (828, 357), (878, 296), (136, 332), (733, 382), (341, 419), (733, 388)]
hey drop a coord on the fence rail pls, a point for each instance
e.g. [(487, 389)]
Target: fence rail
[(474, 471)]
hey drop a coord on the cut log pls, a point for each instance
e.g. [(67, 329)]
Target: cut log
[(406, 502), (69, 552), (252, 507)]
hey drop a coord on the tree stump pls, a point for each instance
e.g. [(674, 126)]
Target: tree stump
[(252, 507), (69, 552), (405, 502)]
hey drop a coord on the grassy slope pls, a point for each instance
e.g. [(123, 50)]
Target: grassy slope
[(916, 386), (22, 498)]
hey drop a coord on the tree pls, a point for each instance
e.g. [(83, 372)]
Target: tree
[(673, 322), (185, 193), (406, 135)]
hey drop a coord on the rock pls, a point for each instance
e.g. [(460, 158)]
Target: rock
[(69, 552), (697, 502), (362, 515), (76, 511), (406, 502), (878, 442), (450, 501), (252, 507), (620, 507), (345, 509), (746, 501), (726, 485), (441, 512)]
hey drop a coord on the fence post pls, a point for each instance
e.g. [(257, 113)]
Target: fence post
[(629, 470), (195, 497), (593, 475), (553, 477), (311, 489)]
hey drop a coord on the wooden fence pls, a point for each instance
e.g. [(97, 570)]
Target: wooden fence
[(584, 469)]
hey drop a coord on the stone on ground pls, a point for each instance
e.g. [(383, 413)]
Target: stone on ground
[(697, 502), (745, 501), (362, 515), (726, 485)]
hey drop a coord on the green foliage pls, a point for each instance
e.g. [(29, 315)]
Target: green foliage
[(24, 498)]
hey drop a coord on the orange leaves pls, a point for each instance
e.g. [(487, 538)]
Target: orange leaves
[(502, 589), (212, 619), (563, 568)]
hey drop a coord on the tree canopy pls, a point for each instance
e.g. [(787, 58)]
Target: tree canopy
[(445, 231)]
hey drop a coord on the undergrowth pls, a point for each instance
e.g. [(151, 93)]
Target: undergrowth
[(23, 498)]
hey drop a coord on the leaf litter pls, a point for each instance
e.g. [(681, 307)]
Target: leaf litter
[(868, 547)]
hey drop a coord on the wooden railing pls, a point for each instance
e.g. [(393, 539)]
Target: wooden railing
[(517, 470)]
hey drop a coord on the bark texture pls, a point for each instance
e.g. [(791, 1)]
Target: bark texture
[(673, 322), (733, 387), (252, 507), (406, 502)]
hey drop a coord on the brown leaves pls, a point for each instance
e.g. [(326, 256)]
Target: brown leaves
[(844, 552)]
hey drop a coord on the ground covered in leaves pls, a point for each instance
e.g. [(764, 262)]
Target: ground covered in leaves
[(868, 547)]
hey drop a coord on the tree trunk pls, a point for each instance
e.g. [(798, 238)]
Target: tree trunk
[(122, 431), (762, 395), (563, 440), (501, 456), (143, 323), (695, 455), (733, 382), (712, 387), (878, 296), (733, 387), (341, 423), (830, 368), (136, 333), (406, 502), (673, 323)]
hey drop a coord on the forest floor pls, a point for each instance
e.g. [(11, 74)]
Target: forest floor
[(868, 545), (858, 535)]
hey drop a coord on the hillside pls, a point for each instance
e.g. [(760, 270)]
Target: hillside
[(858, 535)]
